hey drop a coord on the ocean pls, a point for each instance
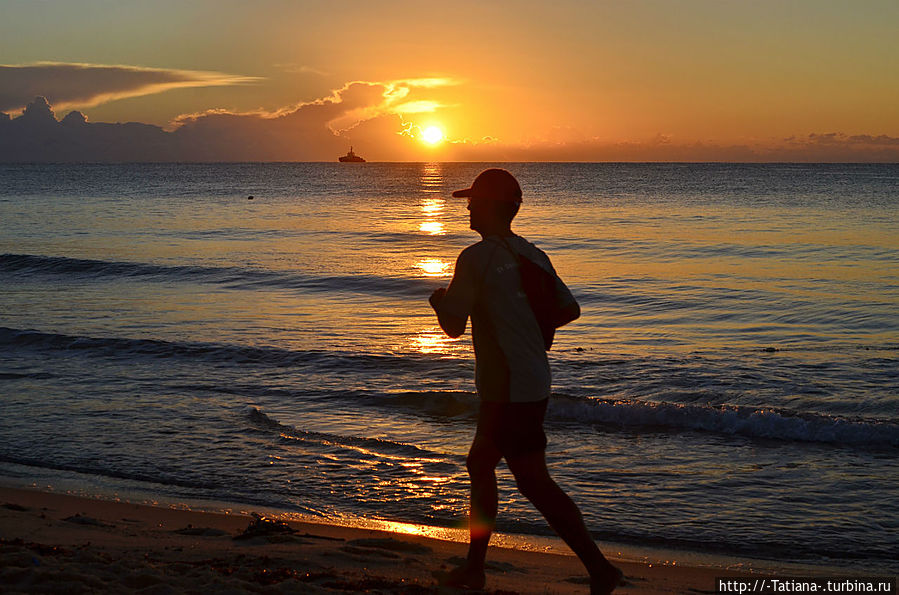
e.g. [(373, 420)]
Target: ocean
[(731, 387)]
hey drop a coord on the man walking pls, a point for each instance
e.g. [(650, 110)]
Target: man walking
[(512, 377)]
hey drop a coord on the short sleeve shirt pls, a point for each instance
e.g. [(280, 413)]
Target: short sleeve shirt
[(510, 360)]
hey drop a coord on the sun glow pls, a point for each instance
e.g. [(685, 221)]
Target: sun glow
[(431, 341), (432, 135), (433, 267), (434, 228)]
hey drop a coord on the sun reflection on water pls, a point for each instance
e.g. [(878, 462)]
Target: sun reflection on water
[(432, 206), (435, 228), (458, 534), (433, 267), (431, 178), (432, 340)]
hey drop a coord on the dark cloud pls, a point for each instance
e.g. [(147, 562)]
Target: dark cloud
[(837, 146), (359, 114), (38, 136), (660, 148), (826, 147), (83, 85), (364, 114), (836, 138)]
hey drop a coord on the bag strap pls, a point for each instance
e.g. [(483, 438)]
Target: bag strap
[(487, 269), (508, 246)]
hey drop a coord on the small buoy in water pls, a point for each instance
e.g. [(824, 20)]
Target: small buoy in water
[(250, 197)]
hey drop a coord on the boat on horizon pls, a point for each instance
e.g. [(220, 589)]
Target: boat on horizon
[(351, 157)]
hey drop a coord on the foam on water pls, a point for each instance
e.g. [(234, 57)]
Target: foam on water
[(743, 421)]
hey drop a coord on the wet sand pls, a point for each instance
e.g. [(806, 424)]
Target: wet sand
[(52, 542)]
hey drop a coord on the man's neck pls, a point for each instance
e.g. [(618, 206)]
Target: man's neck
[(501, 231)]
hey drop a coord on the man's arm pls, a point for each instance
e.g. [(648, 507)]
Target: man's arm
[(451, 324)]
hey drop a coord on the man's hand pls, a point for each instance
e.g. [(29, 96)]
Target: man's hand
[(437, 296)]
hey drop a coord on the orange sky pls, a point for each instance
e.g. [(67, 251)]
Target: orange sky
[(678, 80)]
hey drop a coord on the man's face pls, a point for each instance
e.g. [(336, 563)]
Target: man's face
[(481, 212)]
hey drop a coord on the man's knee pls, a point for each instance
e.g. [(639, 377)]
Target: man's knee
[(471, 463), (532, 486), (531, 475), (479, 462)]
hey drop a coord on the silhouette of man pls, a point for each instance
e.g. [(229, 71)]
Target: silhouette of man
[(512, 377)]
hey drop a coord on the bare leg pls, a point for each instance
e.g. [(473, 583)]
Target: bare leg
[(483, 458), (563, 516)]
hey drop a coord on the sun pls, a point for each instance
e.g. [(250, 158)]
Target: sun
[(432, 135)]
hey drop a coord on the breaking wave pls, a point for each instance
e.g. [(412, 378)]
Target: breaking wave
[(752, 422)]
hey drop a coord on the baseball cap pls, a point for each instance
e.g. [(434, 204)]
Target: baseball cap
[(495, 184)]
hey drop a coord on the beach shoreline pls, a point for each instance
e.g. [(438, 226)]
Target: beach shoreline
[(90, 487), (57, 541)]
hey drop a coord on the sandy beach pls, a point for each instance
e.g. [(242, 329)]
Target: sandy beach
[(52, 542)]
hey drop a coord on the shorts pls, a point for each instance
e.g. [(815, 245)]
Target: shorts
[(513, 428)]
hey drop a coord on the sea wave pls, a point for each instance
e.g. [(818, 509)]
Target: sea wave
[(379, 446), (666, 251), (752, 422), (26, 265), (125, 348), (103, 469), (743, 420), (217, 353)]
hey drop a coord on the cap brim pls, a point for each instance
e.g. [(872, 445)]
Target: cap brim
[(462, 193)]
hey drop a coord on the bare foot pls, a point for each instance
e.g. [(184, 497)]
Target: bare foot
[(465, 578), (606, 583)]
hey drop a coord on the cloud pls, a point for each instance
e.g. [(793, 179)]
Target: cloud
[(366, 114), (815, 147), (344, 109), (429, 82), (67, 85), (370, 116), (294, 68), (390, 99), (838, 146), (418, 107), (832, 139)]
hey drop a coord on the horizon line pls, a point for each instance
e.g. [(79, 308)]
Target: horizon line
[(370, 162)]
